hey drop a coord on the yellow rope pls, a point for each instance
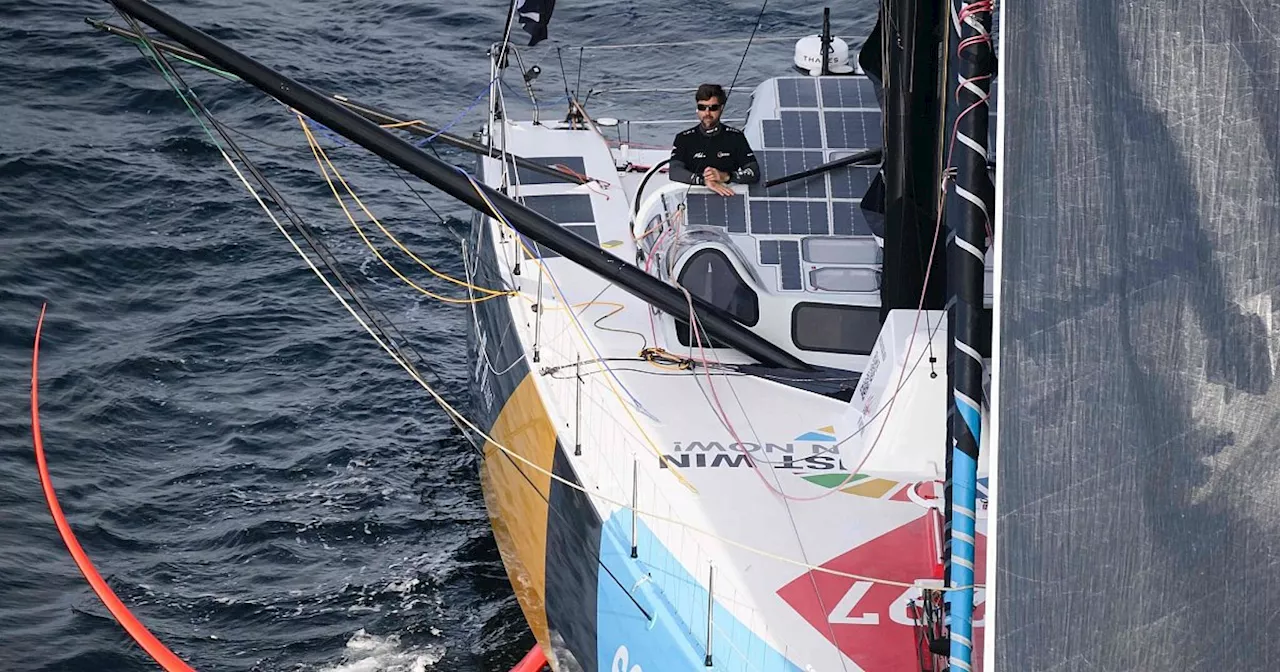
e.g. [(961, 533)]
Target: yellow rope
[(322, 160), (581, 332), (402, 124), (318, 148)]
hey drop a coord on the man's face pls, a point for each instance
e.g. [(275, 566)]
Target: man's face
[(709, 111)]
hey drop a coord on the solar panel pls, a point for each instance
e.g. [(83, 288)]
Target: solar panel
[(797, 92), (573, 209), (526, 176), (789, 217), (716, 210), (769, 252), (774, 164), (563, 208), (849, 92), (820, 119), (799, 130), (791, 278), (851, 181), (585, 231), (847, 219), (786, 255), (853, 130)]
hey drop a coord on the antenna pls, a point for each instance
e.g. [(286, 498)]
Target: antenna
[(826, 40)]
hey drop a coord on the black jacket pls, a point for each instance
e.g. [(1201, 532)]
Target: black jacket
[(723, 147)]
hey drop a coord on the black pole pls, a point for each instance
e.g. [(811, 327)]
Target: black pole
[(826, 41), (867, 157), (969, 206), (374, 114), (913, 111), (718, 323)]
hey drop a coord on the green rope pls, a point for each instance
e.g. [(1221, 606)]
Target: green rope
[(203, 66), (150, 54)]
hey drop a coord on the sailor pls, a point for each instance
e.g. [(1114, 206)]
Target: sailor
[(713, 154)]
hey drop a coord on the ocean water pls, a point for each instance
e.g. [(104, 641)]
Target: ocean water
[(255, 478)]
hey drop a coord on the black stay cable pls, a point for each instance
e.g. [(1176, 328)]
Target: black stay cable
[(744, 51), (376, 318)]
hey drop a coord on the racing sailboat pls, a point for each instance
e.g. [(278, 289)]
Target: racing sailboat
[(727, 432)]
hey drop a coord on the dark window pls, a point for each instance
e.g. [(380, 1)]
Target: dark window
[(528, 177), (709, 276), (834, 328), (563, 208)]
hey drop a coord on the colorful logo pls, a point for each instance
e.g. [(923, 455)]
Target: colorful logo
[(821, 435), (868, 620)]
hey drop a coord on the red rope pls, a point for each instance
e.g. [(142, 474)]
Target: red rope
[(534, 661), (158, 652)]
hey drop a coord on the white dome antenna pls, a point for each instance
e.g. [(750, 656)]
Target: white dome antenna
[(809, 52), (808, 56)]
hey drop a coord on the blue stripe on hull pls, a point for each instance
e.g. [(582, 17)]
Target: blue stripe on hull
[(673, 636)]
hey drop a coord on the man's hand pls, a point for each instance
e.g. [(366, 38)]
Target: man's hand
[(710, 174), (715, 181)]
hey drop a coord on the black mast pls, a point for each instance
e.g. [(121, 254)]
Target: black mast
[(903, 55), (718, 324), (969, 207)]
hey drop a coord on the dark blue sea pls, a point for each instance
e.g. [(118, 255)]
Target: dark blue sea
[(255, 478)]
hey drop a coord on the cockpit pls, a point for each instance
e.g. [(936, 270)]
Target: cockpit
[(797, 262)]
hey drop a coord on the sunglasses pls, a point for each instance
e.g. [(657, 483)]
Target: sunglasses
[(714, 107)]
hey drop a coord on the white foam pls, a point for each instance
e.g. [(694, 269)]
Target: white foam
[(371, 653)]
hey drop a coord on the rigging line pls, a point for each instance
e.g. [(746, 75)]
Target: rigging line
[(563, 75), (321, 129), (713, 40), (371, 328), (292, 148), (744, 51), (649, 371), (400, 174), (593, 301), (480, 261), (564, 519), (568, 523), (319, 153), (154, 648), (786, 499), (804, 553), (506, 35), (203, 66), (577, 86), (483, 353), (326, 256), (886, 409), (612, 380), (795, 528), (350, 218), (476, 101)]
